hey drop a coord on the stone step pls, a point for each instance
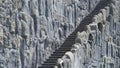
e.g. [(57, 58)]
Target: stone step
[(48, 64), (51, 58), (57, 54), (66, 46), (63, 49), (51, 61), (72, 35), (69, 42), (71, 38)]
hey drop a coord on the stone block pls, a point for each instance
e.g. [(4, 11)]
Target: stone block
[(81, 37), (1, 34), (95, 19), (12, 27), (100, 17), (25, 29), (104, 14), (107, 8), (109, 60), (93, 27), (67, 2)]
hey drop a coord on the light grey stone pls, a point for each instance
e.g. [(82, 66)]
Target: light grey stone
[(30, 30)]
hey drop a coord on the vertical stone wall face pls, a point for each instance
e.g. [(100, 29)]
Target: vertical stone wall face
[(30, 29), (98, 46)]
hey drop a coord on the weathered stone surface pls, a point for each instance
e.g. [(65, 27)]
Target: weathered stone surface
[(30, 30), (101, 47)]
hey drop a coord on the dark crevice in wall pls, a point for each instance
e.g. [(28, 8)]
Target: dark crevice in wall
[(90, 39), (35, 23), (39, 2), (100, 27), (46, 8)]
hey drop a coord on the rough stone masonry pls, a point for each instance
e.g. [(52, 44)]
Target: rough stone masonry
[(30, 30), (98, 46)]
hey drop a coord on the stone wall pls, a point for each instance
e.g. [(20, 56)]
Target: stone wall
[(98, 46), (30, 30)]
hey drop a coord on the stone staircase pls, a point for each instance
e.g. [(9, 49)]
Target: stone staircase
[(66, 46), (70, 40)]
